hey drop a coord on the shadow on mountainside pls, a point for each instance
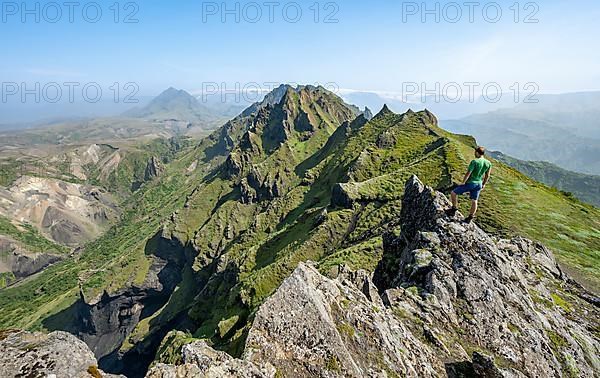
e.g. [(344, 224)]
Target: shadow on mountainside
[(105, 325)]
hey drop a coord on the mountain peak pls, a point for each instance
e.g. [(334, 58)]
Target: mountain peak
[(303, 116), (272, 98), (430, 117), (175, 104), (172, 92), (384, 112)]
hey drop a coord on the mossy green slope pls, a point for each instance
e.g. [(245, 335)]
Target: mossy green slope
[(266, 239), (585, 187), (28, 237), (113, 261)]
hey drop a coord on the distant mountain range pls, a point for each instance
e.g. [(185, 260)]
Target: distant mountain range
[(170, 104), (180, 105), (560, 129), (18, 115), (585, 187), (443, 108)]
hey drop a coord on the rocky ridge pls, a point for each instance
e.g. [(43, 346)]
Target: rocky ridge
[(261, 163), (448, 300)]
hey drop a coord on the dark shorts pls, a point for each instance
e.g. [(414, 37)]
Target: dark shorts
[(473, 188)]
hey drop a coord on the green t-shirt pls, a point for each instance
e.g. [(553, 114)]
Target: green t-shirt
[(478, 168)]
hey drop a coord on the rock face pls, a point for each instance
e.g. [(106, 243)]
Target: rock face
[(508, 298), (153, 168), (200, 360), (58, 354), (450, 301), (314, 326), (105, 321), (22, 263)]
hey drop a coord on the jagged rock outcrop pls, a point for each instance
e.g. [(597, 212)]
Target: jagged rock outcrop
[(58, 354), (450, 301), (154, 168), (344, 194), (315, 326), (385, 110), (506, 297), (200, 360), (386, 140), (429, 118), (22, 263)]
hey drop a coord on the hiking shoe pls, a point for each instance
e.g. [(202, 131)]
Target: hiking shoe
[(451, 212), (469, 219)]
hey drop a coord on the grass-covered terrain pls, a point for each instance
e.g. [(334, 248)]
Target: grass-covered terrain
[(129, 174), (9, 171), (28, 237), (264, 196), (121, 246), (111, 262), (585, 187), (268, 239)]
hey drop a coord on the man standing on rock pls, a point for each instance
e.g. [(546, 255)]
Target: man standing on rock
[(473, 183)]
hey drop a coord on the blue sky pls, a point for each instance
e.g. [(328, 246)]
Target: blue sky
[(370, 47)]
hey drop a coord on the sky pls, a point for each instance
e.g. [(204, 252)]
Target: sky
[(377, 46)]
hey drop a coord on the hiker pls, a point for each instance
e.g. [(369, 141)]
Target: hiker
[(473, 183)]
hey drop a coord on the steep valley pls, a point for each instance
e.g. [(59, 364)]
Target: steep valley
[(55, 202)]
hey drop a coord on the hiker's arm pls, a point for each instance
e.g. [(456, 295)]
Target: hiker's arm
[(466, 177), (486, 177)]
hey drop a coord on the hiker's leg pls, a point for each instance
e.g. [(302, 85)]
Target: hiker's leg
[(473, 208), (454, 198), (474, 195)]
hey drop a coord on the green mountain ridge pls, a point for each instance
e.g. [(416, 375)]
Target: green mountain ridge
[(585, 187), (307, 178)]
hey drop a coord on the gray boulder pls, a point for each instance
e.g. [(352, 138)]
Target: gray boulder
[(200, 360), (58, 354), (315, 326)]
